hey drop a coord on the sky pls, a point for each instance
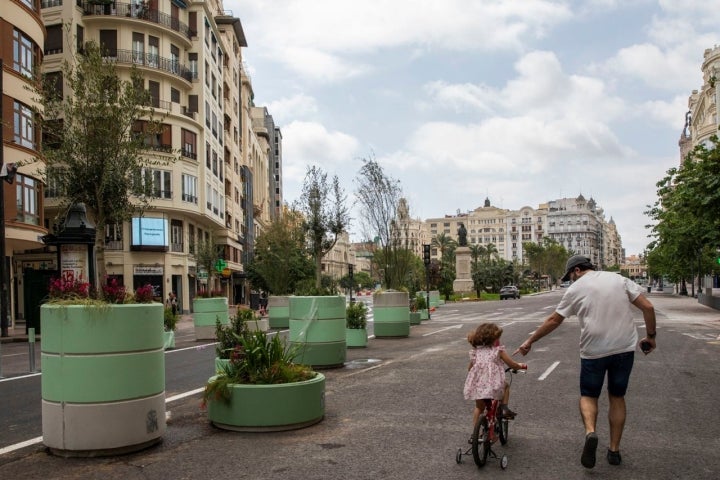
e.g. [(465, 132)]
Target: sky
[(517, 101)]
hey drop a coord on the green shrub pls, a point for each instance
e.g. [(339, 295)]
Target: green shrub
[(356, 315), (420, 302), (170, 320)]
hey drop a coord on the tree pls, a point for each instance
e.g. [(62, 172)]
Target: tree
[(385, 216), (95, 140), (207, 254), (687, 216), (547, 258), (280, 258), (326, 216), (446, 245)]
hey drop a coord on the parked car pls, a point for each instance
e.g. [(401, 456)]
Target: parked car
[(509, 291)]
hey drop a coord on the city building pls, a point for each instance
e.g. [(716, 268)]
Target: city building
[(217, 186), (22, 36), (701, 119)]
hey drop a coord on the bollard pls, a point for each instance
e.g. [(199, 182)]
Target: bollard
[(31, 346)]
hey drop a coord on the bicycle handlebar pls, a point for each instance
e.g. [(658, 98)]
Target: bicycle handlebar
[(515, 370)]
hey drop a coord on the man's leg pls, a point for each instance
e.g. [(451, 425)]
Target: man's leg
[(616, 416), (589, 413)]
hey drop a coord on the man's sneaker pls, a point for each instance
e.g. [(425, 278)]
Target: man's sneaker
[(614, 457), (588, 455)]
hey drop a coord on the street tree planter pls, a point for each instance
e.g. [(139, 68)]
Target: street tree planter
[(279, 311), (317, 330), (391, 312), (168, 339), (205, 312), (424, 315), (415, 318), (275, 407), (103, 381), (261, 324)]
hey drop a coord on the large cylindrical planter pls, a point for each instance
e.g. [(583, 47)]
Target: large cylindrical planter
[(317, 331), (103, 381), (205, 312), (414, 318), (277, 407), (434, 298), (391, 313), (356, 337), (279, 311)]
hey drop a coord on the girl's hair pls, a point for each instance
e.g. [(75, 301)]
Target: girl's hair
[(484, 335)]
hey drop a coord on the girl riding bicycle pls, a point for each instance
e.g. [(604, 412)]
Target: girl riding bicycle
[(486, 374)]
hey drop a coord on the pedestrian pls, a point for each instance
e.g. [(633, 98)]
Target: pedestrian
[(485, 379), (172, 302), (608, 339)]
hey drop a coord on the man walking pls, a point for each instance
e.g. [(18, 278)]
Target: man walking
[(608, 338)]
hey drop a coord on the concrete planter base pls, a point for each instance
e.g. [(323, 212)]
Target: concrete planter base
[(205, 313), (103, 381), (356, 337)]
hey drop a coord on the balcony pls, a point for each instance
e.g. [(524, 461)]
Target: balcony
[(140, 12), (150, 60)]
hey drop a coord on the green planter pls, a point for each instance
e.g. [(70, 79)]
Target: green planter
[(279, 311), (317, 330), (258, 408), (415, 318), (424, 314), (169, 339), (356, 337), (391, 313), (434, 298), (103, 381), (205, 312)]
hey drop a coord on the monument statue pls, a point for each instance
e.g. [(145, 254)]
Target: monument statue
[(462, 235)]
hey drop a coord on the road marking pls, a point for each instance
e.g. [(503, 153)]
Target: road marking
[(20, 445), (548, 371), (20, 377), (442, 330)]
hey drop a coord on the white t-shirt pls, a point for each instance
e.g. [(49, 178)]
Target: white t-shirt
[(602, 302)]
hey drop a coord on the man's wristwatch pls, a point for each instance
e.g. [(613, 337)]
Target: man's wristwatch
[(650, 335)]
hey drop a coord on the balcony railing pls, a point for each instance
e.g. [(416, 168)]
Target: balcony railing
[(50, 3), (139, 11), (151, 60)]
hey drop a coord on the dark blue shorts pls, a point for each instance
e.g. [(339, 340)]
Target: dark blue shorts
[(592, 374)]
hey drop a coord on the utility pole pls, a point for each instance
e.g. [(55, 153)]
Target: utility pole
[(4, 324)]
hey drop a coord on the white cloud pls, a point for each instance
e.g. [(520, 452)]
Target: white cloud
[(294, 107), (320, 38)]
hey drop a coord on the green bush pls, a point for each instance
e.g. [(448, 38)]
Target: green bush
[(356, 315), (420, 302), (170, 320)]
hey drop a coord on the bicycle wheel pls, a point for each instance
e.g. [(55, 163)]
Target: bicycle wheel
[(502, 425), (480, 441)]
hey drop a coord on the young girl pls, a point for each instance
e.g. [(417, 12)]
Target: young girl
[(486, 372)]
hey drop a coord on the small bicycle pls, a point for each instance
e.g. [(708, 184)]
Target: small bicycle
[(488, 429)]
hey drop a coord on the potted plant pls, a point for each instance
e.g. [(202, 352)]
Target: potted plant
[(252, 320), (317, 330), (170, 320), (261, 388), (421, 306), (228, 338), (356, 325), (210, 303), (103, 364)]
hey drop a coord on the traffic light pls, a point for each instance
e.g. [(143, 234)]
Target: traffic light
[(350, 270), (426, 254)]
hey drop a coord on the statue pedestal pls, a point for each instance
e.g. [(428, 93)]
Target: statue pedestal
[(463, 279)]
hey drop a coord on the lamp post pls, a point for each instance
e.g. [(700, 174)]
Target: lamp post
[(426, 260), (4, 324), (350, 277)]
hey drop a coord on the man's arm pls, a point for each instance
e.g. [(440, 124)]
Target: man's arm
[(550, 324), (648, 311)]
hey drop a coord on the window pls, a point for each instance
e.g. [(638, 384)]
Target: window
[(53, 40), (138, 48), (189, 189), (207, 114), (113, 236), (189, 144), (174, 59), (193, 61), (191, 239), (79, 38), (27, 200), (54, 83), (23, 125), (160, 182), (24, 58), (174, 95), (159, 139), (207, 154), (153, 51), (176, 236), (154, 89), (108, 42), (215, 162)]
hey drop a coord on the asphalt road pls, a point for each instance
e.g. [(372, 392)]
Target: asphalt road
[(396, 410)]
